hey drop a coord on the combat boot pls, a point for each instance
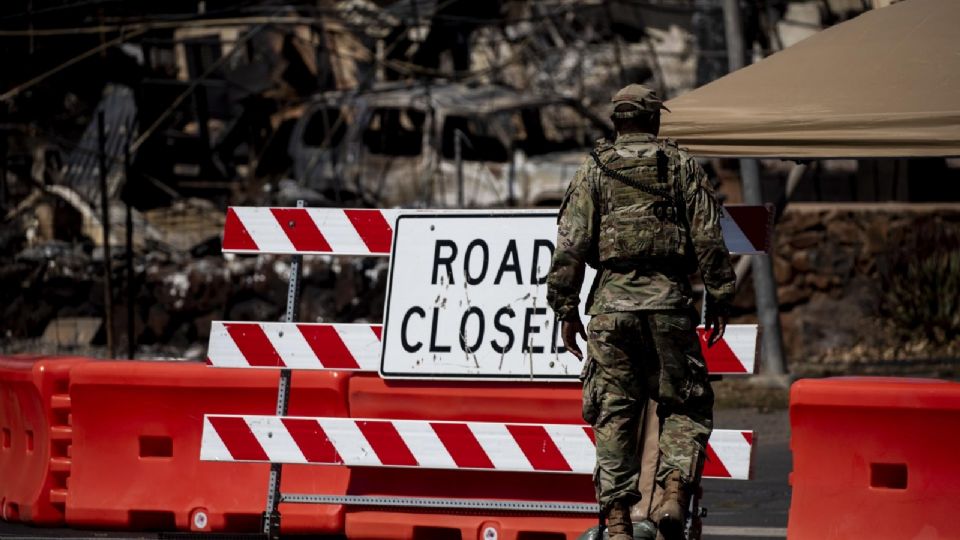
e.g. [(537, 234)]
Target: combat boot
[(672, 514), (619, 526)]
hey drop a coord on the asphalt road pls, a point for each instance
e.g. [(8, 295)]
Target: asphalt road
[(754, 509)]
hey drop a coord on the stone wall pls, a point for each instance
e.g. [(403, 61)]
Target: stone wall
[(836, 266)]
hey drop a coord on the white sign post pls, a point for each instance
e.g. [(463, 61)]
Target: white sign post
[(467, 298)]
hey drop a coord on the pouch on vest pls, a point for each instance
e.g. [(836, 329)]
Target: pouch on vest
[(637, 225)]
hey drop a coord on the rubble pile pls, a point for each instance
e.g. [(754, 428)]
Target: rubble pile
[(357, 103), (177, 295)]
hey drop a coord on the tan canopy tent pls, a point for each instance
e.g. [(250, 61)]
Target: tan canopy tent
[(885, 84)]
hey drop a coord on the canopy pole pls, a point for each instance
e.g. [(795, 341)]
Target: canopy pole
[(765, 286), (793, 180)]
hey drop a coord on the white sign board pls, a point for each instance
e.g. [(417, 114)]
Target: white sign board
[(467, 298)]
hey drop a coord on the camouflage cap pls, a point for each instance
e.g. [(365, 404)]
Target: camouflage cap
[(643, 98)]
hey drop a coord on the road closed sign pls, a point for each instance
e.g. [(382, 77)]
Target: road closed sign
[(467, 298)]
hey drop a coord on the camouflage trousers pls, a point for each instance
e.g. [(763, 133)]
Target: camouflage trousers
[(633, 356)]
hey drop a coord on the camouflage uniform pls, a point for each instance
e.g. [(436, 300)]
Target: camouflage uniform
[(641, 339)]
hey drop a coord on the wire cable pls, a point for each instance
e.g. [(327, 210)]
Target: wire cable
[(10, 94), (52, 9), (158, 22)]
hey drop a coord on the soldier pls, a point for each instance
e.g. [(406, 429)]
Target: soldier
[(641, 211)]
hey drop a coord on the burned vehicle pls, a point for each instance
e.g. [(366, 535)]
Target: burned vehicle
[(449, 145)]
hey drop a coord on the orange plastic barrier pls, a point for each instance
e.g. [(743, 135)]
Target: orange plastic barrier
[(372, 397), (137, 430), (874, 458), (35, 437), (403, 526)]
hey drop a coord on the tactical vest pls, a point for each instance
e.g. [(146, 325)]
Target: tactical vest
[(642, 218)]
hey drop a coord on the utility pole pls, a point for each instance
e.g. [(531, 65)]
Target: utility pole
[(512, 179), (765, 286), (3, 170), (736, 54), (458, 157), (200, 104), (131, 295), (105, 221), (617, 54)]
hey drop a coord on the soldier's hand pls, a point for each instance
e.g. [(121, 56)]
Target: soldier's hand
[(569, 331), (716, 324)]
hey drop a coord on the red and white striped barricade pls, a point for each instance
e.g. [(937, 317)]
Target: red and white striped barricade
[(336, 231), (357, 347), (438, 258), (487, 446)]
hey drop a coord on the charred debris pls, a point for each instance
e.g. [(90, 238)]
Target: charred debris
[(126, 130)]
